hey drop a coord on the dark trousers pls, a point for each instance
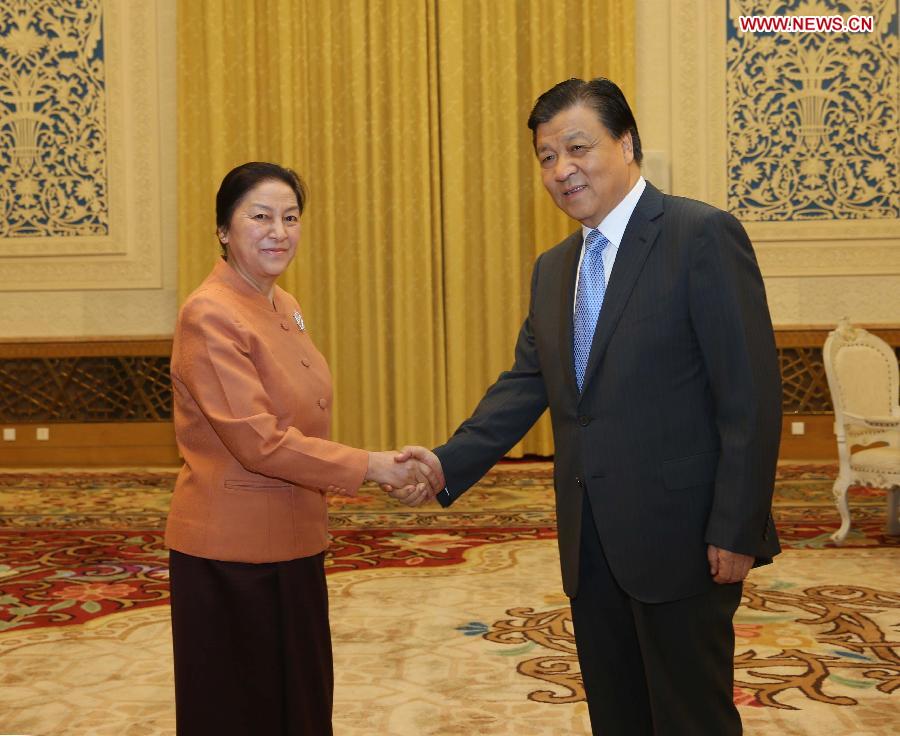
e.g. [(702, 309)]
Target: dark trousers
[(653, 669), (252, 647)]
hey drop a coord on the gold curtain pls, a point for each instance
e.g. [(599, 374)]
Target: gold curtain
[(495, 59), (407, 121)]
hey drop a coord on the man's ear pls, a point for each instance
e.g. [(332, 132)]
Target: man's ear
[(627, 146)]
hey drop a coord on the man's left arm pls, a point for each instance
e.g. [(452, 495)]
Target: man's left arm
[(734, 330)]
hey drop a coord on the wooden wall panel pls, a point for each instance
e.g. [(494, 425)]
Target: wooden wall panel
[(108, 401)]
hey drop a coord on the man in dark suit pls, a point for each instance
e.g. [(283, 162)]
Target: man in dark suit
[(649, 338)]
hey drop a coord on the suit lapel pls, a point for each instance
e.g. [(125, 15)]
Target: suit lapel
[(637, 241), (566, 311)]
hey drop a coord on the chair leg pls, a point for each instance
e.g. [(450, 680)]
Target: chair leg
[(893, 511), (840, 499)]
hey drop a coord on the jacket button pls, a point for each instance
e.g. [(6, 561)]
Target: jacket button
[(322, 403), (579, 482), (285, 326), (305, 362), (584, 421)]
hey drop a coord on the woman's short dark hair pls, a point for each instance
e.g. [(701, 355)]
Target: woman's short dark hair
[(241, 179), (602, 95)]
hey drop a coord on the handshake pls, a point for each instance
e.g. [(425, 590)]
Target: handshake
[(412, 476)]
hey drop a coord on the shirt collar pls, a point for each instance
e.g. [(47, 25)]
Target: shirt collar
[(614, 224)]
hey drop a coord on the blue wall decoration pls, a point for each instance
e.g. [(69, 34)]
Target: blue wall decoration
[(53, 127), (813, 117)]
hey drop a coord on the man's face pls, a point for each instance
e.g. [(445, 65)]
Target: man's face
[(585, 169)]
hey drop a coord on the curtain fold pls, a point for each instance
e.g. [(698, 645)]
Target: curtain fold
[(407, 122), (495, 59)]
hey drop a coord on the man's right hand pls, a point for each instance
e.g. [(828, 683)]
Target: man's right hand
[(416, 495)]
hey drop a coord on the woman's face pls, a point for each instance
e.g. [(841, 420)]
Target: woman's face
[(262, 235)]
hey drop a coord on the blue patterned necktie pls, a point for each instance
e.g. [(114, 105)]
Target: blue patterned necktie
[(588, 300)]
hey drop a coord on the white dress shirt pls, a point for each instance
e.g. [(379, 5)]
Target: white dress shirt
[(613, 228)]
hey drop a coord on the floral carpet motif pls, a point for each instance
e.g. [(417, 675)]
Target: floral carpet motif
[(844, 639), (55, 578), (69, 577), (66, 558), (461, 602)]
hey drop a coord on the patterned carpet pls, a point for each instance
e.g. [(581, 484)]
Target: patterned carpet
[(445, 621)]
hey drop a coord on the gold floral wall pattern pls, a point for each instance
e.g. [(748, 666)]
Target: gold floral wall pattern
[(53, 119), (813, 118)]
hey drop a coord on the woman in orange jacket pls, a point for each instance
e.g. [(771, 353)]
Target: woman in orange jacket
[(247, 530)]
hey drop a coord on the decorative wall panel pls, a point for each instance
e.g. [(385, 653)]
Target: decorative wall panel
[(747, 134), (804, 384), (80, 195), (813, 117), (125, 381), (52, 119), (809, 151), (122, 389)]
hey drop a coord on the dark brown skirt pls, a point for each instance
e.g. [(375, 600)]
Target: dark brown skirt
[(252, 647)]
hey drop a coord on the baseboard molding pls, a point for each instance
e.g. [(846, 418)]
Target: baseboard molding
[(91, 445)]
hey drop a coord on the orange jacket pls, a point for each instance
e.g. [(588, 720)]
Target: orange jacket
[(252, 417)]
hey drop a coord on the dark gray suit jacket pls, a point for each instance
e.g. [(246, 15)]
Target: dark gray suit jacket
[(675, 434)]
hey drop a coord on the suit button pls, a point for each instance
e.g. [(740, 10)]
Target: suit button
[(579, 482), (305, 362), (322, 403), (584, 421), (285, 326)]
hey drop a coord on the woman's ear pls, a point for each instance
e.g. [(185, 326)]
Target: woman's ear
[(222, 234)]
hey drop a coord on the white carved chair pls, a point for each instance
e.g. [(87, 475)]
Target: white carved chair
[(863, 379)]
